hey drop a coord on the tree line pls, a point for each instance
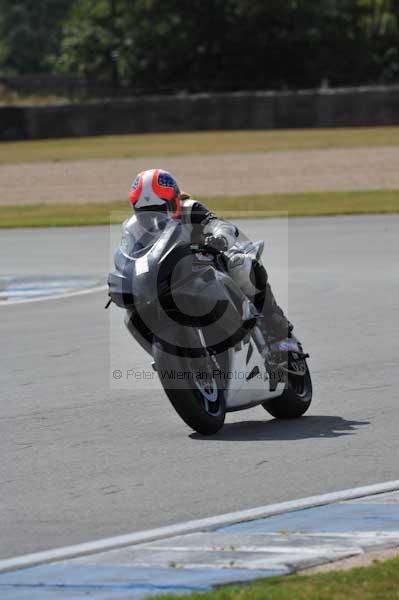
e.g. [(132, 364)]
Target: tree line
[(201, 45)]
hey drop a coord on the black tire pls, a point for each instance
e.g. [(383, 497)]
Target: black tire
[(186, 397), (295, 400)]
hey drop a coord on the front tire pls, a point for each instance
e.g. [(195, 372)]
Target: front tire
[(296, 398), (199, 403)]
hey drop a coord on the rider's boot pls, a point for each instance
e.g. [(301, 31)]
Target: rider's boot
[(276, 325)]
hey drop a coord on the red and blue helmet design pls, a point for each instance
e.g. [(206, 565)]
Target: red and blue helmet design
[(155, 188)]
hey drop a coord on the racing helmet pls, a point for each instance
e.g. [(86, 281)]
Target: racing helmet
[(155, 190)]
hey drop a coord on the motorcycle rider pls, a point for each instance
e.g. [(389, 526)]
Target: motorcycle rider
[(157, 190)]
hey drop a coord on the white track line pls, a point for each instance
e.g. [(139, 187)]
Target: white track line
[(98, 288), (38, 558)]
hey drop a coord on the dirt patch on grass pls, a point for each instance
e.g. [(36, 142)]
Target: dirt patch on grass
[(219, 175)]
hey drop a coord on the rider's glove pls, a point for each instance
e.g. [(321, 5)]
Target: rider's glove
[(217, 243)]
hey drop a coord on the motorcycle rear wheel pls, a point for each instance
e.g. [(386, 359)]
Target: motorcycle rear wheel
[(201, 405)]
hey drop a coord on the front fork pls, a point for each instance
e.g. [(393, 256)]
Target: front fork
[(281, 358)]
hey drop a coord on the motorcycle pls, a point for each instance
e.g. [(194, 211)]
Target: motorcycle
[(206, 338)]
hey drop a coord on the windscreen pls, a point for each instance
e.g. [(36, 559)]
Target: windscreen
[(142, 231)]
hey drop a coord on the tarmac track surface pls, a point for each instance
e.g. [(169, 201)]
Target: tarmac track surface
[(83, 458)]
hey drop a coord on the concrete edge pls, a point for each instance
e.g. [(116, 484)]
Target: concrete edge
[(211, 523), (364, 559)]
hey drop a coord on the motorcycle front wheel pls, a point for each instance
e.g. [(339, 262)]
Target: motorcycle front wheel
[(193, 389), (296, 398)]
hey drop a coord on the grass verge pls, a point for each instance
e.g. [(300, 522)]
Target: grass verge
[(381, 580), (208, 142), (262, 206)]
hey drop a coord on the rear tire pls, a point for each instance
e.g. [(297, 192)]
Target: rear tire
[(202, 407), (295, 400)]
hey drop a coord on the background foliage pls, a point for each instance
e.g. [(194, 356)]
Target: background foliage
[(199, 45)]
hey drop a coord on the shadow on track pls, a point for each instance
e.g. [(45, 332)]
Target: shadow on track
[(315, 426)]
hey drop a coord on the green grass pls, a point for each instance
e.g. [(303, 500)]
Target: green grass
[(177, 144), (14, 99), (379, 581), (262, 206)]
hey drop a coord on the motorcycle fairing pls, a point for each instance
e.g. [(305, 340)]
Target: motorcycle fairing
[(168, 283), (249, 382)]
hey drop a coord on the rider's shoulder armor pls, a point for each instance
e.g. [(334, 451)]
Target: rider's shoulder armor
[(195, 213), (198, 216)]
